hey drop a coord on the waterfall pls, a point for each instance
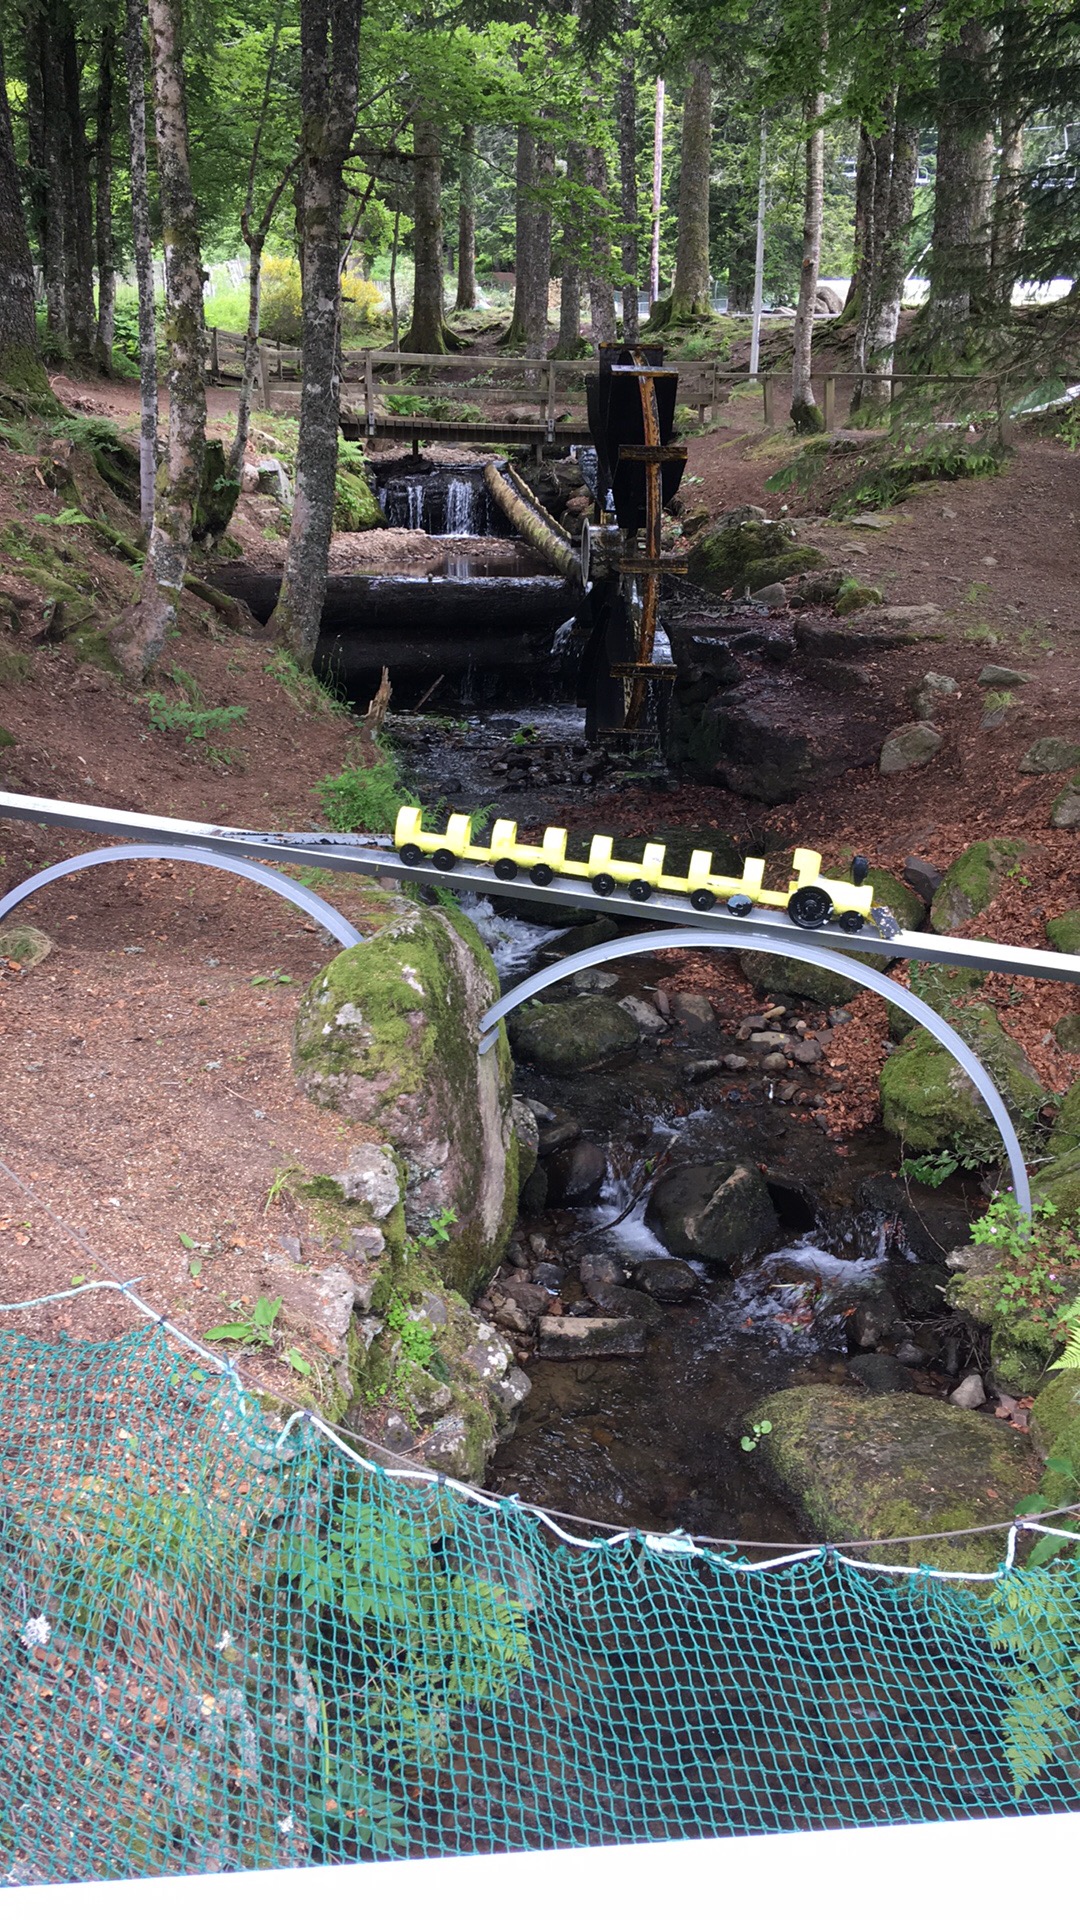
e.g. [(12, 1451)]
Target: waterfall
[(460, 501)]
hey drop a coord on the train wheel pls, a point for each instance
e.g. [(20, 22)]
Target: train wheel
[(850, 922), (542, 876), (639, 890), (809, 907), (444, 859), (603, 884), (702, 899), (411, 855), (740, 904), (505, 869)]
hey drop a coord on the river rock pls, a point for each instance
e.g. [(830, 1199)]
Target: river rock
[(531, 1296), (928, 1101), (569, 1339), (651, 1023), (970, 1393), (561, 1131), (909, 747), (694, 1012), (601, 1269), (1052, 754), (576, 1175), (716, 1210), (385, 1037), (574, 1036), (670, 1281), (880, 1373), (621, 1303), (1065, 811), (797, 979), (973, 881), (897, 1463)]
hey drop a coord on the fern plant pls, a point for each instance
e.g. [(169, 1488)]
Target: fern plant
[(1033, 1623)]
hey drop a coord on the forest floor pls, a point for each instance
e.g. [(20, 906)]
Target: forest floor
[(148, 1093)]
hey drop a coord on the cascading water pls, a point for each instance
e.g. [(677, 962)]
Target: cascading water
[(441, 502), (460, 507)]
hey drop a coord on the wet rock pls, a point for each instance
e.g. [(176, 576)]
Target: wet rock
[(601, 1268), (911, 1355), (886, 1464), (880, 1373), (576, 1175), (549, 1275), (922, 877), (694, 1012), (568, 1339), (620, 1303), (909, 747), (1052, 754), (651, 1023), (512, 1317), (509, 1394), (527, 1133), (594, 980), (970, 1393), (578, 939), (563, 1132), (872, 1319), (670, 1281), (716, 1210), (573, 1036), (1065, 811), (531, 1296), (973, 881), (697, 1070)]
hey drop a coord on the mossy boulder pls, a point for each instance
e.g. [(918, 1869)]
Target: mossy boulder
[(945, 989), (1055, 1429), (573, 1036), (1052, 754), (902, 902), (928, 1101), (973, 881), (1067, 1032), (740, 555), (28, 946), (875, 1467), (1065, 811), (386, 1036), (1064, 932), (1059, 1181), (1065, 1132), (853, 596), (218, 494), (717, 1210), (1021, 1348), (798, 979), (356, 509)]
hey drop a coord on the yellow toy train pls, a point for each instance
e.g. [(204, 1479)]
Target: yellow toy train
[(810, 900)]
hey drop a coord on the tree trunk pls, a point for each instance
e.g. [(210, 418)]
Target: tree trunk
[(656, 197), (960, 250), (427, 333), (601, 286), (861, 243), (329, 81), (528, 518), (249, 372), (135, 50), (883, 315), (875, 227), (805, 414), (20, 365), (103, 171), (691, 287), (626, 122), (466, 297), (570, 343), (1008, 227), (532, 250), (44, 117), (176, 500), (79, 223)]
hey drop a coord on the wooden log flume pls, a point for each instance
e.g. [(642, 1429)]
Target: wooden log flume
[(533, 522)]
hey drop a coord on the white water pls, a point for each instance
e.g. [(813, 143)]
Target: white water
[(460, 507), (511, 943)]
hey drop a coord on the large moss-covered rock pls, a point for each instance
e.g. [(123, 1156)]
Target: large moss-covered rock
[(928, 1101), (772, 973), (1065, 1132), (1021, 1346), (1055, 1429), (973, 881), (718, 1210), (873, 1468), (910, 746), (1051, 754), (386, 1036), (356, 509), (902, 902), (742, 554), (218, 494), (573, 1036), (945, 989), (1059, 1181)]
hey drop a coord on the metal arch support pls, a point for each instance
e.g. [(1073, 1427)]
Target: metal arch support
[(831, 961), (312, 904)]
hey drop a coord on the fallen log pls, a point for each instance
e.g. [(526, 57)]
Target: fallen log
[(533, 522), (362, 601)]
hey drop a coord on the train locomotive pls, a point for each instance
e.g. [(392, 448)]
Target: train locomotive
[(811, 900)]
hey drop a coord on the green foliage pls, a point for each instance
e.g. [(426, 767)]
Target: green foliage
[(365, 799), (187, 715), (933, 1169), (752, 1440), (256, 1330), (306, 693), (1034, 1624), (1034, 1259), (416, 1337)]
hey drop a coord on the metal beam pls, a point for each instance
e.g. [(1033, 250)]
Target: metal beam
[(846, 965), (354, 853)]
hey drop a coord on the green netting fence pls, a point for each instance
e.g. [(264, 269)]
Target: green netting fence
[(227, 1642)]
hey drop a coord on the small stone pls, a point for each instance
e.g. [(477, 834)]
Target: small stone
[(546, 1115), (770, 596), (970, 1393), (570, 1339), (838, 1016), (367, 1243), (872, 1319), (549, 1276), (807, 1053), (922, 877), (650, 1022), (371, 1176), (736, 1062), (600, 1267), (595, 980), (538, 1246), (693, 1011), (670, 1281), (576, 1175), (532, 1299), (765, 1039), (910, 1355), (1002, 677), (509, 1392), (363, 1288), (696, 1070), (775, 1063), (880, 1373), (1052, 754), (512, 1318), (909, 747), (562, 1134), (291, 1245)]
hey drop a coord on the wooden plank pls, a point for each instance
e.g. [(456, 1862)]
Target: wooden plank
[(653, 456)]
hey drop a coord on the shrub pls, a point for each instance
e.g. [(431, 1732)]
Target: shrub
[(281, 313), (365, 799)]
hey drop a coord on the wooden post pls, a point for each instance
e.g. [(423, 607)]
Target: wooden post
[(369, 396), (215, 368), (830, 400), (549, 411), (279, 359), (264, 377)]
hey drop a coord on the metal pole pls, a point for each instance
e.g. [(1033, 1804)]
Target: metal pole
[(657, 181), (759, 259)]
